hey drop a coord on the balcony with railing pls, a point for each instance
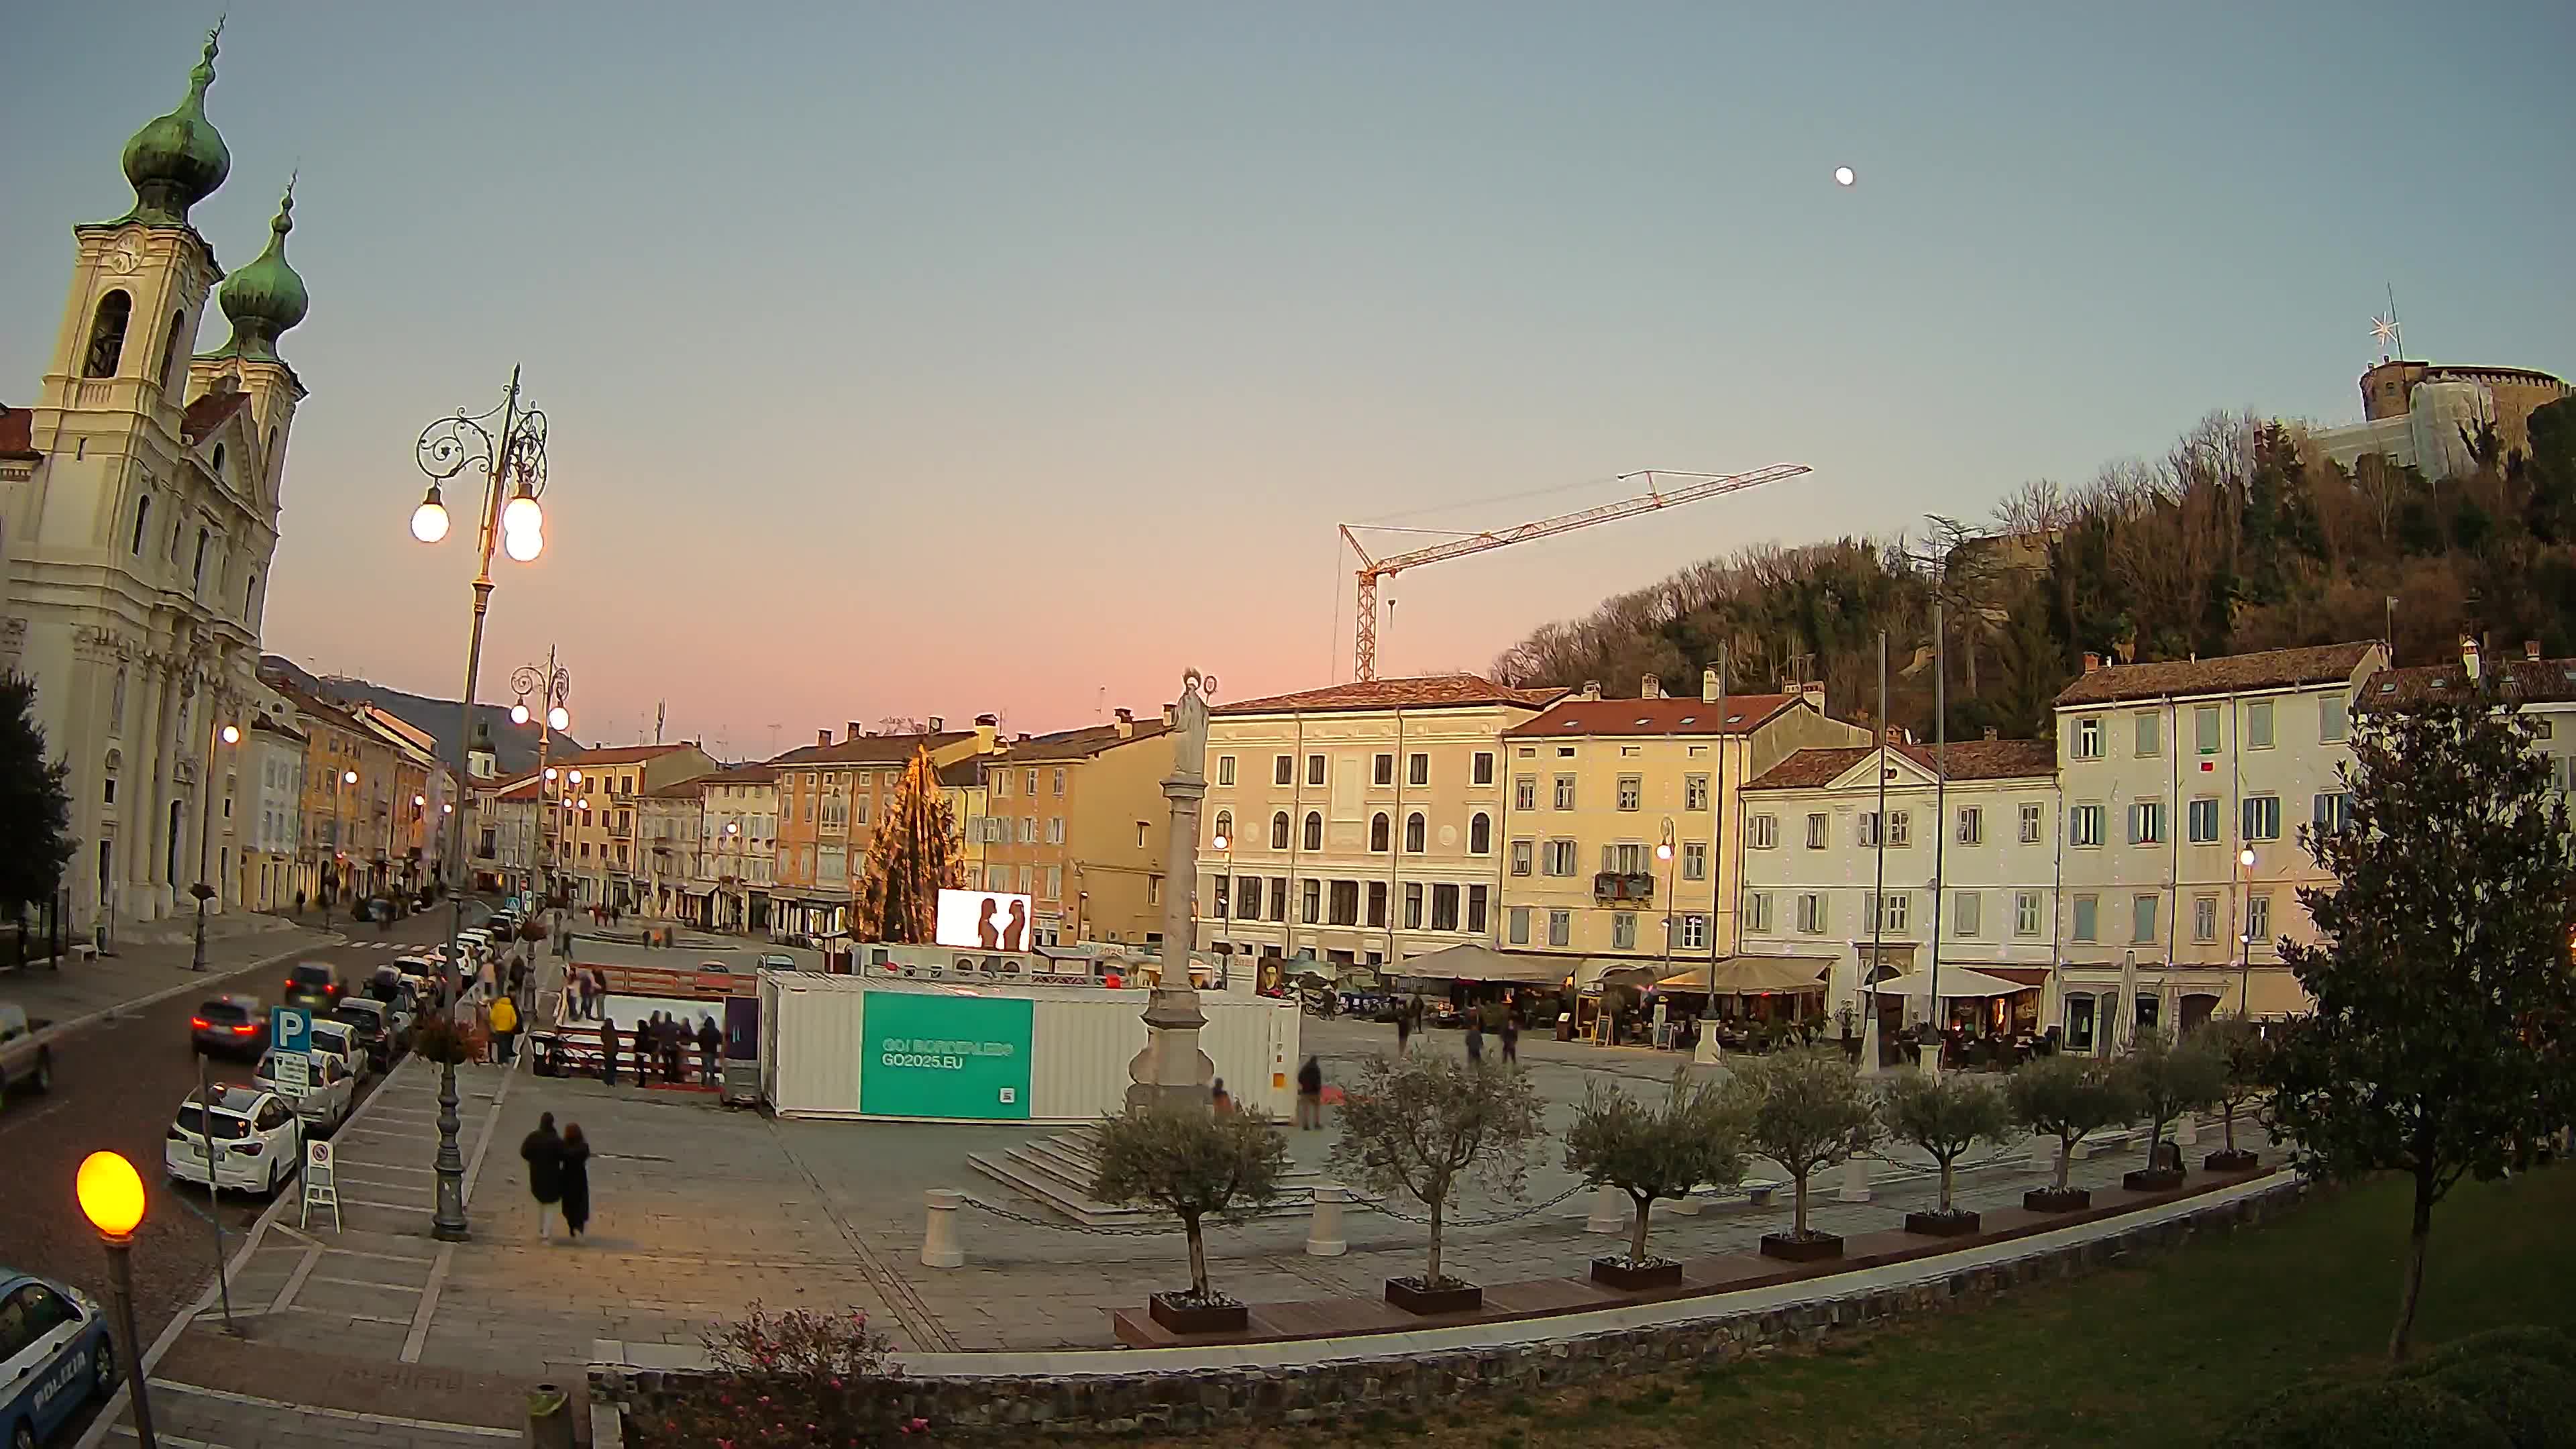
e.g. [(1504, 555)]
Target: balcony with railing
[(1623, 887)]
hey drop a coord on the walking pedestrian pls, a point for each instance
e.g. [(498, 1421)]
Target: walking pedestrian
[(709, 1039), (1511, 1040), (299, 903), (576, 1180), (518, 976), (542, 1150), (1219, 1101), (505, 1028), (1310, 1095), (1475, 1042), (608, 1052), (675, 1049)]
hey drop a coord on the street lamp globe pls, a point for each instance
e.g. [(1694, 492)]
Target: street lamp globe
[(559, 717), (523, 545), (111, 1194), (1220, 842), (429, 520), (2245, 857), (519, 713), (523, 514), (419, 800), (1664, 851), (550, 772), (575, 777), (231, 735), (348, 777)]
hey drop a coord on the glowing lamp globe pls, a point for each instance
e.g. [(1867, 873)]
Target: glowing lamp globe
[(1219, 842), (429, 520), (559, 717), (523, 514), (518, 714), (2245, 857), (550, 772), (348, 777), (523, 544), (576, 777), (111, 1195), (232, 735)]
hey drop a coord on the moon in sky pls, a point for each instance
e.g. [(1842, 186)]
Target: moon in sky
[(1843, 176)]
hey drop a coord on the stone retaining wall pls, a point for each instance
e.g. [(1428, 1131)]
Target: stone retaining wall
[(1184, 1400)]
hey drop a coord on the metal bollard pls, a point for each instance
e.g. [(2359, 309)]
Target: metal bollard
[(939, 1247), (1324, 1230), (2187, 1130), (1855, 1186), (1684, 1206), (549, 1418), (1610, 1211)]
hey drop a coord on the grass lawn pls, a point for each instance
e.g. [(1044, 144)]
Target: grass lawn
[(2161, 1351)]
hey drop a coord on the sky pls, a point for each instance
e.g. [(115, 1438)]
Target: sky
[(936, 360)]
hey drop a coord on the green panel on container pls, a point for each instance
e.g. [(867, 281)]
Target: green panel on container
[(946, 1056)]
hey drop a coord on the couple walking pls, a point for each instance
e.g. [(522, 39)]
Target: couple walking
[(558, 1176)]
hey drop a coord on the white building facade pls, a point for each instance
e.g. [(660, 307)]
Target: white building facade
[(738, 854), (2185, 785)]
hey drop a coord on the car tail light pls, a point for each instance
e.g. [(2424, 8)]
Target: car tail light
[(199, 1023), (246, 1149), (244, 1030), (175, 1134)]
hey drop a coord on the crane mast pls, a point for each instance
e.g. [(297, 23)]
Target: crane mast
[(1656, 496)]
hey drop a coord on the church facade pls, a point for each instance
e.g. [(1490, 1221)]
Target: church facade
[(139, 500)]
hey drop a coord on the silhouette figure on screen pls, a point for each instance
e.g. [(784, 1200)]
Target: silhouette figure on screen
[(1015, 937), (986, 934)]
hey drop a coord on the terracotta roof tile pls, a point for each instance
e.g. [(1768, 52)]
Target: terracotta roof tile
[(870, 749), (18, 434), (209, 412), (524, 790), (743, 775), (2228, 674), (2539, 680), (620, 755), (1082, 744), (1438, 691), (1969, 760), (1741, 714)]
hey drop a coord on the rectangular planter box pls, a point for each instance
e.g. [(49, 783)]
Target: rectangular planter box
[(1942, 1225), (2049, 1200), (2151, 1179), (1197, 1318), (1815, 1249), (1455, 1298), (1615, 1273), (2239, 1161)]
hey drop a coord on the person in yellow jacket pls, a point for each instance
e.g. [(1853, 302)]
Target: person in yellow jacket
[(505, 1028)]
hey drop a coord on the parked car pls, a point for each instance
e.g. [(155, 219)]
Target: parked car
[(229, 1025), (312, 984), (26, 1050), (256, 1140), (55, 1356), (335, 1038), (379, 1026), (325, 1098), (777, 961)]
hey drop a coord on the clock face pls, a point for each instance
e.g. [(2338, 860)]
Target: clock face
[(126, 256)]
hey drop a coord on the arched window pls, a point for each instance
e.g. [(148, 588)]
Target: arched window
[(170, 351), (1224, 829), (1378, 831), (142, 521), (1413, 832), (1314, 830), (197, 571), (107, 335), (1480, 834), (1279, 831), (219, 460), (250, 599)]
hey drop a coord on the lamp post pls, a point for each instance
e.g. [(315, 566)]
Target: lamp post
[(225, 735), (553, 687), (2245, 936), (340, 818), (513, 463), (111, 1197)]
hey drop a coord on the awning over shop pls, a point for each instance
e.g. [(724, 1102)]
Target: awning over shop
[(1470, 962), (1955, 981), (1752, 975)]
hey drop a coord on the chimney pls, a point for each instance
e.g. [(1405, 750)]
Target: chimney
[(1126, 724), (1591, 689), (1708, 685), (988, 728), (1651, 687), (938, 724), (855, 731), (2469, 656), (2092, 661), (1993, 733), (822, 737), (1168, 718), (2531, 650), (1813, 691), (1893, 735)]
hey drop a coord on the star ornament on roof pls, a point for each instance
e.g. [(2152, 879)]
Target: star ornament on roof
[(2383, 329)]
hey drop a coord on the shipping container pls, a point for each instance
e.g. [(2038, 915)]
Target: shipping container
[(853, 1046)]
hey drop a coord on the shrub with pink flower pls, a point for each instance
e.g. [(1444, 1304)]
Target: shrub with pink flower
[(793, 1380)]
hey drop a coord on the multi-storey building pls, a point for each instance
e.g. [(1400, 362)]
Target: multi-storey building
[(1599, 788), (348, 802), (1960, 869), (1077, 821), (2185, 784), (595, 848), (1363, 822), (968, 798), (739, 849), (506, 852), (271, 811), (830, 797), (2543, 690), (669, 828), (139, 507)]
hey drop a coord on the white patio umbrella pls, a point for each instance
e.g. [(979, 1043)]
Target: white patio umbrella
[(2124, 1024)]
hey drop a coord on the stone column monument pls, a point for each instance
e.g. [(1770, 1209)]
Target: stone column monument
[(1171, 1072)]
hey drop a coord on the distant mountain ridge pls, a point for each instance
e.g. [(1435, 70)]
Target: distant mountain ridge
[(514, 747)]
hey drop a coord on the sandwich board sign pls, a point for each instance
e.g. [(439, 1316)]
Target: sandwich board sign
[(320, 1188)]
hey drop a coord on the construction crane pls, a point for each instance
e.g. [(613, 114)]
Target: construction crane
[(1698, 486)]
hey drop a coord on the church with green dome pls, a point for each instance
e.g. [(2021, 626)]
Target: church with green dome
[(139, 506)]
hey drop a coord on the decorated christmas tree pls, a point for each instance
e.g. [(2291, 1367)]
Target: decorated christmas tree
[(911, 858)]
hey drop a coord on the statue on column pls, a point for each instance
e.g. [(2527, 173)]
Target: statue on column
[(1171, 1073)]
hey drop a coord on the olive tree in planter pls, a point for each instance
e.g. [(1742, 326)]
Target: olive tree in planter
[(2245, 1050), (1696, 1137), (1945, 1116), (2069, 1098), (2165, 1080), (1194, 1165), (1423, 1125), (1806, 1109)]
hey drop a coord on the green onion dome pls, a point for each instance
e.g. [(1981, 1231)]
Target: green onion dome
[(178, 160)]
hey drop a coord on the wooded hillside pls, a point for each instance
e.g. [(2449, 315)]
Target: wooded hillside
[(2240, 537)]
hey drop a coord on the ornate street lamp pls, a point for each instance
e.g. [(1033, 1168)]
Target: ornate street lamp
[(111, 1197), (226, 735), (511, 453), (552, 685)]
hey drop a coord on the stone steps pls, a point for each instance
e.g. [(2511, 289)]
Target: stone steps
[(1057, 1172)]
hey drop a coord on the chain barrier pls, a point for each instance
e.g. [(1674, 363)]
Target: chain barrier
[(1378, 1205)]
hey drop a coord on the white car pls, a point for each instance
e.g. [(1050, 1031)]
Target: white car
[(339, 1039), (325, 1101), (255, 1138)]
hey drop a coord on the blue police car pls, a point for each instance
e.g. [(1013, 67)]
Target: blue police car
[(55, 1356)]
